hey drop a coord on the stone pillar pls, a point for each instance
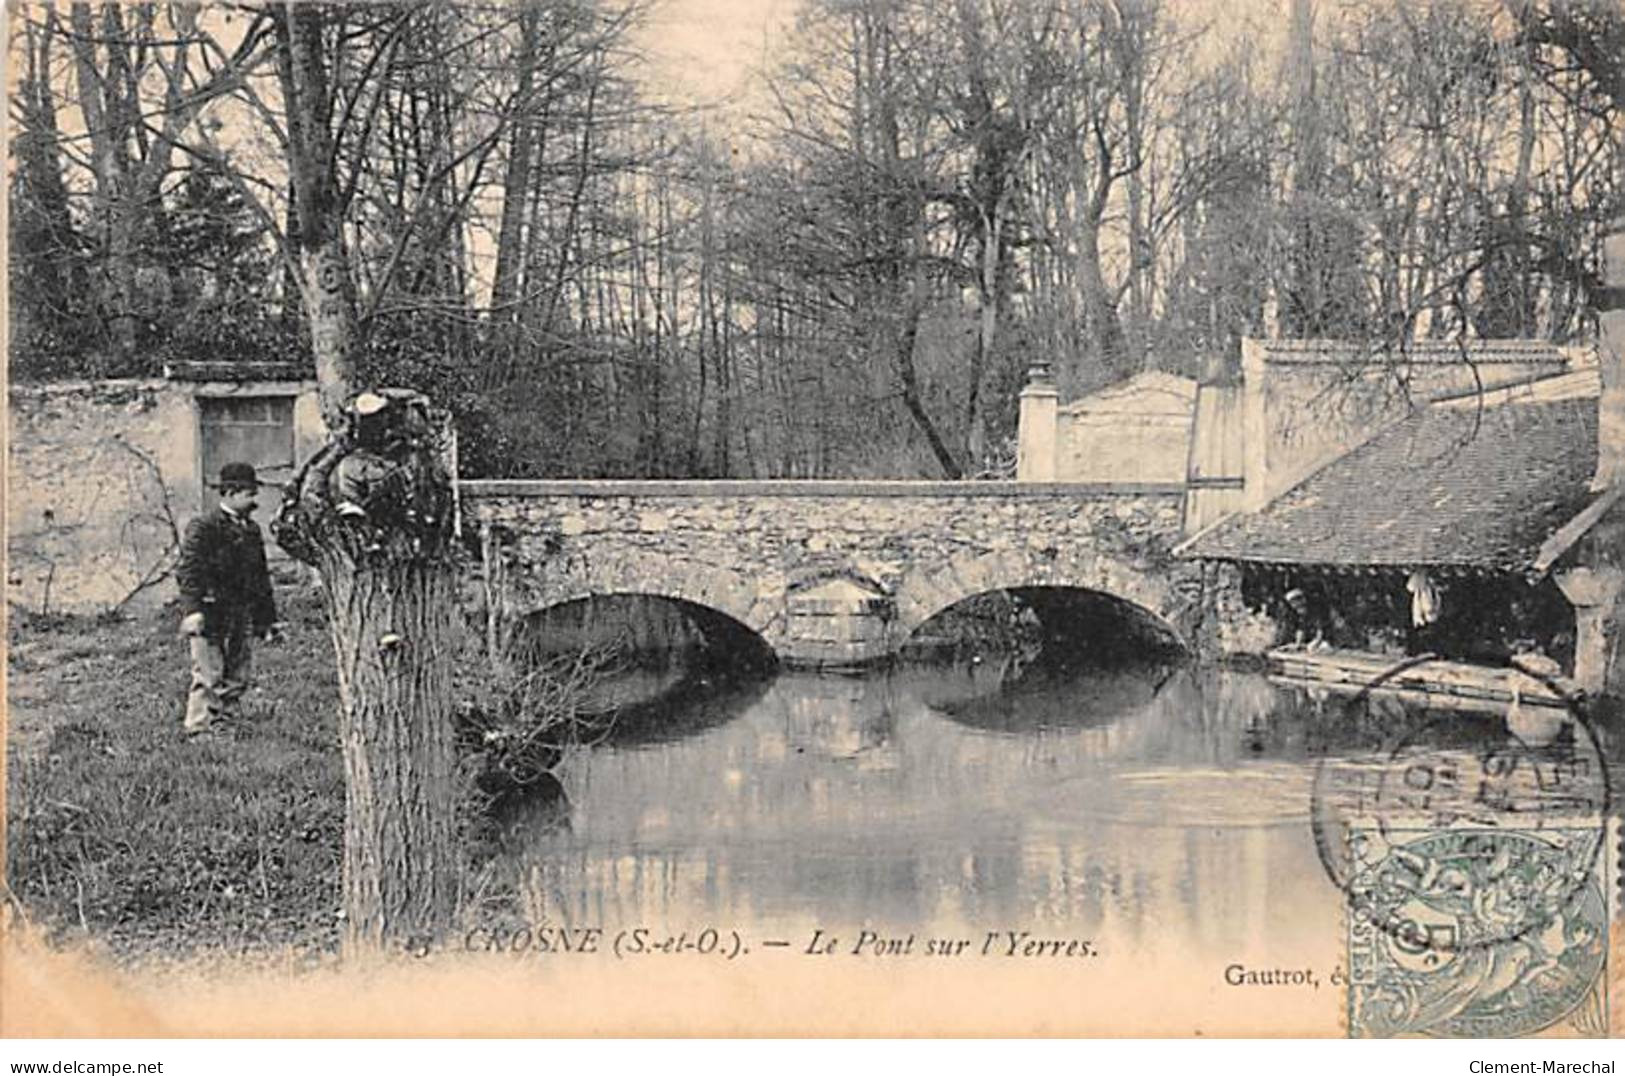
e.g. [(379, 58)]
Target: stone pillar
[(1611, 353), (1036, 442), (1595, 594), (835, 623), (1228, 628)]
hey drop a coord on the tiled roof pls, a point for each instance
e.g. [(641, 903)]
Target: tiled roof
[(1447, 486)]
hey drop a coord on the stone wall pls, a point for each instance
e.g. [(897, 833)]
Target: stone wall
[(102, 477), (1135, 448), (832, 572), (99, 482), (1138, 430)]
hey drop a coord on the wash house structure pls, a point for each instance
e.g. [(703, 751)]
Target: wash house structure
[(1455, 498), (1443, 532)]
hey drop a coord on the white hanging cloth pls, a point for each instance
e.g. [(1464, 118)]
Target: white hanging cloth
[(1424, 599)]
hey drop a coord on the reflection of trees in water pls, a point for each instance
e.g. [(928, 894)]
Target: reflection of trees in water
[(1277, 720), (653, 632), (1330, 723), (848, 796), (1018, 693), (1196, 712), (541, 807), (851, 719), (682, 705), (1067, 624), (884, 798), (1186, 713), (701, 698)]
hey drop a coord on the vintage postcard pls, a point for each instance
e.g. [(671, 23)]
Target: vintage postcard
[(815, 517)]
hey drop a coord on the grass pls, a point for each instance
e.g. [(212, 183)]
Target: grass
[(122, 832)]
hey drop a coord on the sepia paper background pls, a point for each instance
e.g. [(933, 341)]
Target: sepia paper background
[(1145, 989)]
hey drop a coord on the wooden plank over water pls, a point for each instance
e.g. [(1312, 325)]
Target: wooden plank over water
[(1434, 682)]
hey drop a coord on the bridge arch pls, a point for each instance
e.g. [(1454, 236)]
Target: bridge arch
[(929, 592), (718, 600)]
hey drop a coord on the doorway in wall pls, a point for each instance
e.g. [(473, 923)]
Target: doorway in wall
[(247, 429)]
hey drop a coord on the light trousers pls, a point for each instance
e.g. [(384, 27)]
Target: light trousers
[(221, 666)]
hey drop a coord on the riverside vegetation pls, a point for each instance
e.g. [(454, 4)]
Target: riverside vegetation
[(126, 837)]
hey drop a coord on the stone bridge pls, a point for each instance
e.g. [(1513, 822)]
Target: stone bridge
[(830, 572)]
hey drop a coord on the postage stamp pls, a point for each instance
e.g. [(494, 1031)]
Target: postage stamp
[(1478, 932)]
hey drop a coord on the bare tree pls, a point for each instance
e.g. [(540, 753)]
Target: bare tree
[(140, 77), (373, 510)]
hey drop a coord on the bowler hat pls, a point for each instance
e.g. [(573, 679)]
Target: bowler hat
[(238, 476)]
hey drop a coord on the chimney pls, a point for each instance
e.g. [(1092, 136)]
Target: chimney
[(1611, 353), (1036, 431)]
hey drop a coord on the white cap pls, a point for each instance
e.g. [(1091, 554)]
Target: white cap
[(369, 403)]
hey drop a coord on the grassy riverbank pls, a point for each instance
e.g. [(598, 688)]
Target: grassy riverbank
[(122, 832)]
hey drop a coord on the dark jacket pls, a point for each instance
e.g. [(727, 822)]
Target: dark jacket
[(222, 573)]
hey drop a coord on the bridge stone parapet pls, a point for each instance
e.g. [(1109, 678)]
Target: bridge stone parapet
[(829, 572)]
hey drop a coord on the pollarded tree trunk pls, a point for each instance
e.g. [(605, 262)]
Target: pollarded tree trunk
[(373, 513), (390, 619)]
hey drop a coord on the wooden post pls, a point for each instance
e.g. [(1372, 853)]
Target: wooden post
[(1595, 594), (1611, 351), (1596, 587)]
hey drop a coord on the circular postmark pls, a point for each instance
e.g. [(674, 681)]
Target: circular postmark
[(1467, 831)]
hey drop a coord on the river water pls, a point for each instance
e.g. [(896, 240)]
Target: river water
[(1182, 844), (1152, 809)]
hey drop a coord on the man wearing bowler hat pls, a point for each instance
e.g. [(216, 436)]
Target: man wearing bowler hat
[(225, 597)]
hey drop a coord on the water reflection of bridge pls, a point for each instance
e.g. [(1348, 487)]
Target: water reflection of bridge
[(778, 808), (1157, 807)]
